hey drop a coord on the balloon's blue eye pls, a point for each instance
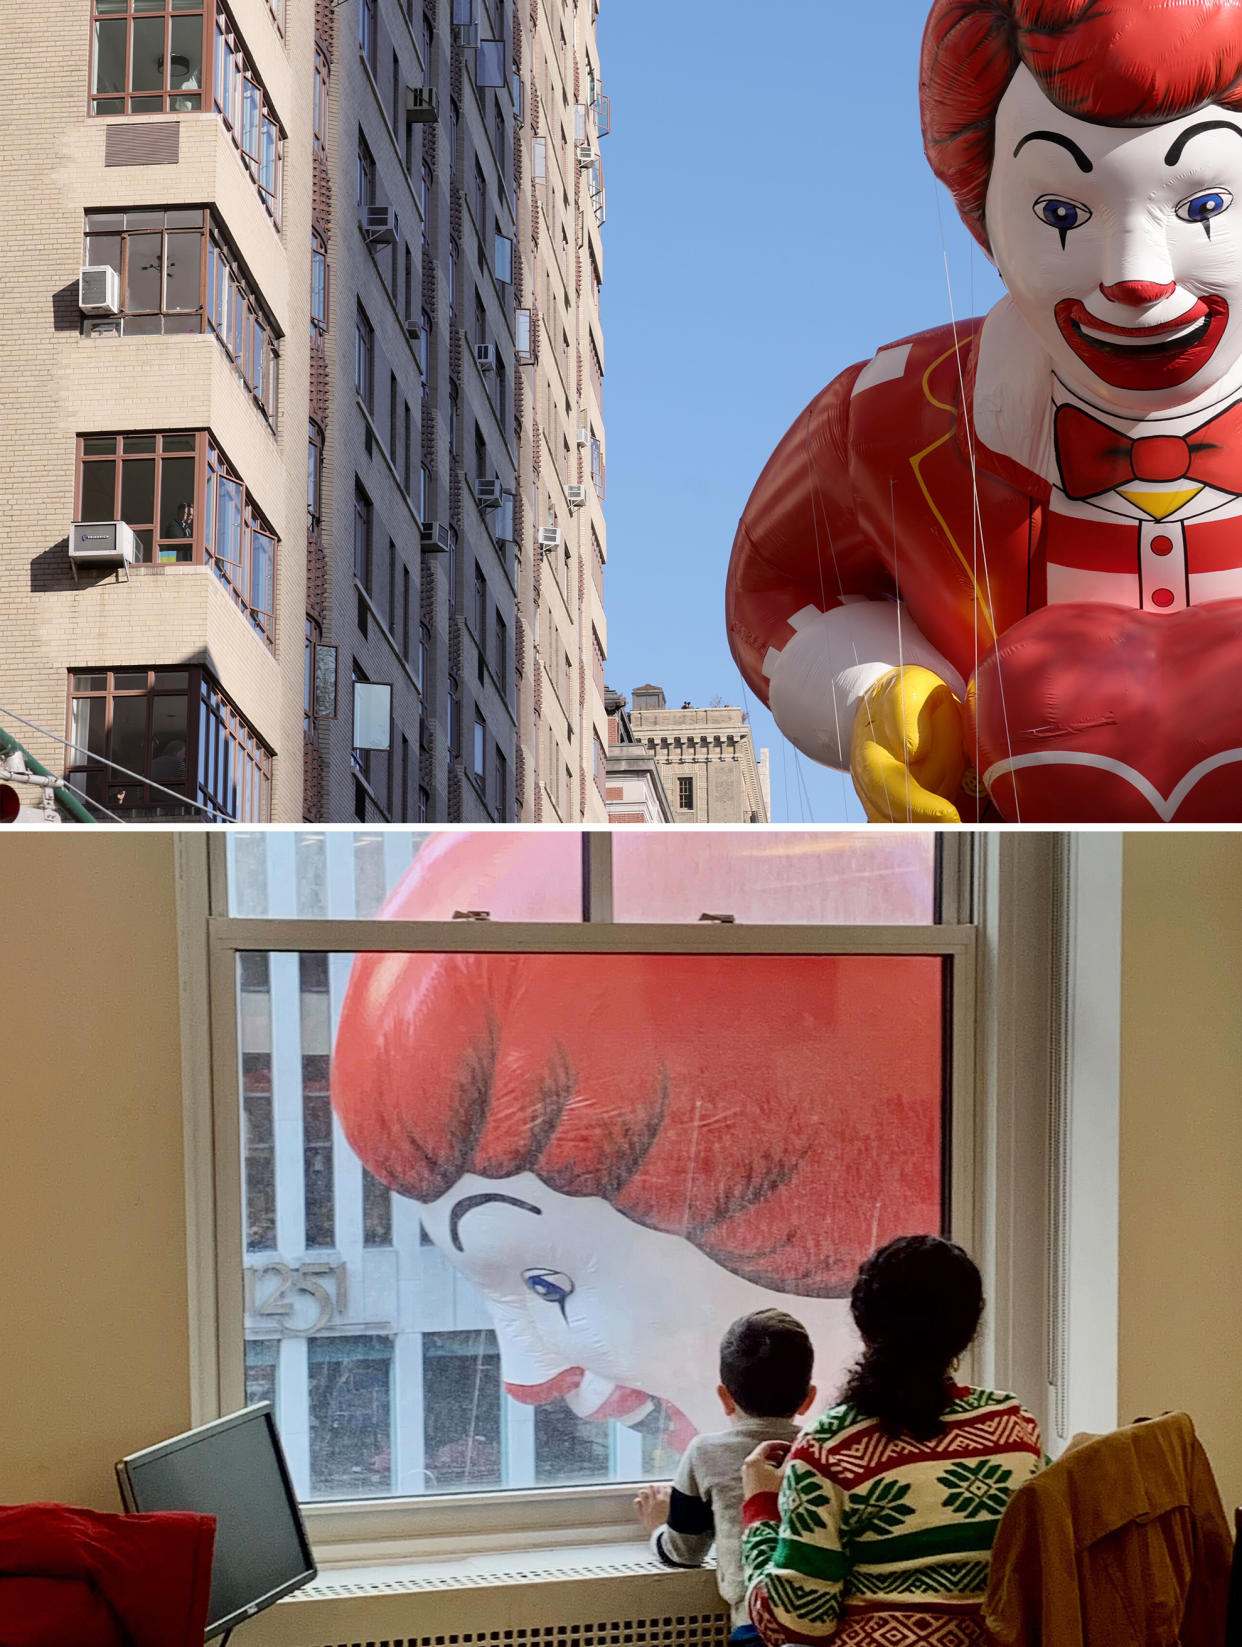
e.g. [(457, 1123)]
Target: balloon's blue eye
[(554, 1286), (1061, 215), (1202, 208)]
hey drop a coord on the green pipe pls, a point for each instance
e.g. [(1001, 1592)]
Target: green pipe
[(72, 805)]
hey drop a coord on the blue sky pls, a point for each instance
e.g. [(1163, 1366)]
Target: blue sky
[(771, 219)]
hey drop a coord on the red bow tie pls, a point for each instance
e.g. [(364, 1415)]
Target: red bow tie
[(1093, 458)]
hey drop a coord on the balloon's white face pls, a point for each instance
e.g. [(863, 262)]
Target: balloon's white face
[(1122, 248), (591, 1307)]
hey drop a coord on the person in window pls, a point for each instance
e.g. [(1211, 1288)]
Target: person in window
[(626, 1153), (876, 1527), (182, 523)]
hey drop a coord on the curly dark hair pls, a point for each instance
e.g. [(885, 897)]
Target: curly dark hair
[(917, 1304)]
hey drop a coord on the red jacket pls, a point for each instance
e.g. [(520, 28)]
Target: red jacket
[(80, 1578)]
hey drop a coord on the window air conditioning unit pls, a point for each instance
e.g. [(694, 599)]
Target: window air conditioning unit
[(380, 225), (584, 429), (485, 355), (487, 493), (420, 103), (467, 35), (102, 543), (577, 496), (434, 538), (99, 290), (549, 537), (413, 330)]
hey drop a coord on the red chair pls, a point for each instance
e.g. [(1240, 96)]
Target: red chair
[(95, 1580)]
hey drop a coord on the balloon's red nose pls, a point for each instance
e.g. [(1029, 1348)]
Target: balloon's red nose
[(1136, 294)]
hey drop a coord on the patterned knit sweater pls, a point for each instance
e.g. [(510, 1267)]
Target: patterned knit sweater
[(883, 1541)]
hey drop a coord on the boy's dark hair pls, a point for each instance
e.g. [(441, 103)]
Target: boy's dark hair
[(765, 1363)]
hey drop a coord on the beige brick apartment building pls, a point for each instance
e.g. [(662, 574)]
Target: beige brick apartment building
[(322, 279)]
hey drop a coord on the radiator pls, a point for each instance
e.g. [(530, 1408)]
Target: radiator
[(545, 1599)]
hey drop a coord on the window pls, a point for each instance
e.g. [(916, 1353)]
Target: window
[(432, 1412), (480, 745), (319, 1205), (454, 717), (320, 105), (319, 283), (314, 472), (500, 780), (366, 175), (364, 360), (363, 520), (149, 62), (242, 104), (685, 794), (166, 260), (158, 258), (349, 1386), (480, 606), (242, 326), (152, 482), (500, 649), (367, 32), (142, 738)]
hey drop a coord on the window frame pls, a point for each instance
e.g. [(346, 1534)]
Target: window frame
[(207, 708), (1001, 898), (205, 11)]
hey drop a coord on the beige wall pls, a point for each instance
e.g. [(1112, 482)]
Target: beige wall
[(92, 1221), (1181, 1138)]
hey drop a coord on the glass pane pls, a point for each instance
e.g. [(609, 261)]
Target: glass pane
[(129, 733), (138, 491), (178, 443), (229, 521), (828, 878), (89, 719), (350, 1399), (185, 64), (138, 443), (142, 276), (594, 1164), (110, 56), (168, 740), (104, 249), (144, 220), (177, 498), (90, 683), (99, 490), (183, 284), (131, 680), (180, 218), (108, 105), (146, 69)]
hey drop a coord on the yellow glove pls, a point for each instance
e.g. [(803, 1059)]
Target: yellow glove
[(907, 750)]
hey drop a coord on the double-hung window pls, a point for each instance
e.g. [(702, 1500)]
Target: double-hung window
[(522, 1112)]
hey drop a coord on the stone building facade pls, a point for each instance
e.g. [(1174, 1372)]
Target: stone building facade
[(706, 759), (370, 228)]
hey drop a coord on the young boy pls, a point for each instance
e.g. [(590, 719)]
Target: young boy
[(765, 1384)]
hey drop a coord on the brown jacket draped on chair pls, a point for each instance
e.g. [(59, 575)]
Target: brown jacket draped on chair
[(1123, 1542)]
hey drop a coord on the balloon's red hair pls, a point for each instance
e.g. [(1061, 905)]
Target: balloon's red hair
[(1115, 62), (761, 1107)]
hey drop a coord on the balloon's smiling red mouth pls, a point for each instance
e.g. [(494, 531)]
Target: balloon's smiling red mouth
[(1145, 357), (622, 1402)]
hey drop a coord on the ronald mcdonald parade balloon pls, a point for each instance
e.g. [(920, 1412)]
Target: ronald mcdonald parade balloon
[(614, 1167), (995, 571)]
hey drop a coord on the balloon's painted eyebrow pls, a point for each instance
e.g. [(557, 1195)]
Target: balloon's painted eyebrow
[(1067, 143), (1175, 153), (468, 1204)]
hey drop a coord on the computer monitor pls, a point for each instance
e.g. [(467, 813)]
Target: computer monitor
[(234, 1470)]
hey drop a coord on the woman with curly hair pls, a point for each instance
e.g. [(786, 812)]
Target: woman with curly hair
[(888, 1504)]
